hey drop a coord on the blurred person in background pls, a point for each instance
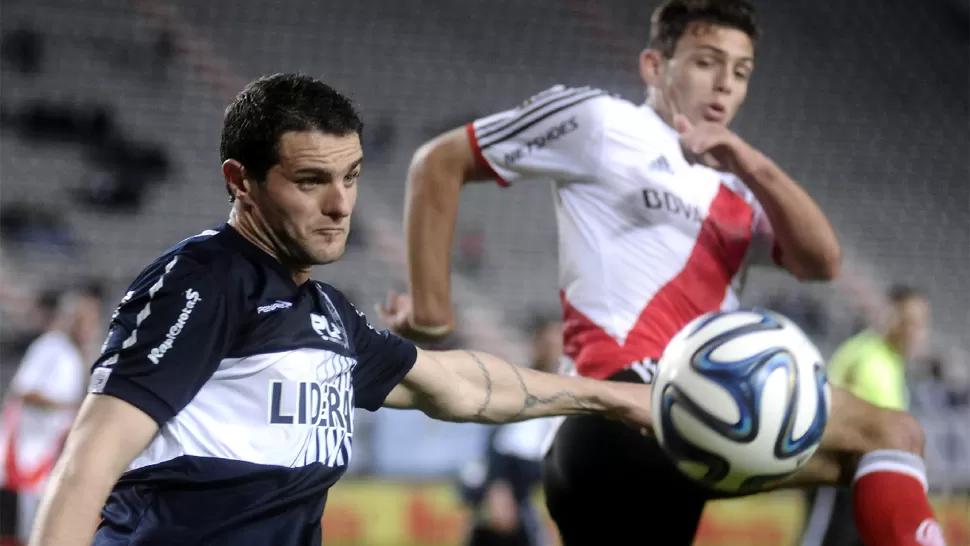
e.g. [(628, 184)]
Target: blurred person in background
[(41, 403), (871, 365), (660, 209), (498, 490)]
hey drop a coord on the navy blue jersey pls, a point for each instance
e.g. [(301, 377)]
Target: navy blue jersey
[(252, 380)]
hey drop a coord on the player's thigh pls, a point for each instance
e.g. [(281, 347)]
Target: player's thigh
[(856, 427), (602, 478)]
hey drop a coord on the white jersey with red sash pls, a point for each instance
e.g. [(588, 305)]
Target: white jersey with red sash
[(31, 437)]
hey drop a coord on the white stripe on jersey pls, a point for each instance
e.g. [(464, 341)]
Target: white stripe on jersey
[(147, 311), (522, 119), (500, 119), (101, 376), (260, 409)]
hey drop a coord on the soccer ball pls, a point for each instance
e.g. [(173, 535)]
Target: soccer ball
[(740, 400)]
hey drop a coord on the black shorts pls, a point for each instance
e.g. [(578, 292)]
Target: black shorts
[(605, 483)]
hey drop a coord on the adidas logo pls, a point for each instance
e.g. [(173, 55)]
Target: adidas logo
[(660, 164)]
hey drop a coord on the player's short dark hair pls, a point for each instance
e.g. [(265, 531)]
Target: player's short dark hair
[(671, 19), (92, 288), (48, 300), (277, 104), (901, 293)]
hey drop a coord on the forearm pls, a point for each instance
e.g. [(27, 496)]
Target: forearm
[(431, 210), (40, 401), (487, 389), (809, 246), (69, 511)]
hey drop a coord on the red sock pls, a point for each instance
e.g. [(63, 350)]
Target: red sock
[(890, 504)]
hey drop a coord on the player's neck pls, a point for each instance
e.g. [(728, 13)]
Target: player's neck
[(655, 103), (249, 229)]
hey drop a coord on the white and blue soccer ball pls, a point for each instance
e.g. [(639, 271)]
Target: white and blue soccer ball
[(740, 400)]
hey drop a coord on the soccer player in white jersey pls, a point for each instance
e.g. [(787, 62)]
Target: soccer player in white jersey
[(221, 409), (40, 405), (660, 208)]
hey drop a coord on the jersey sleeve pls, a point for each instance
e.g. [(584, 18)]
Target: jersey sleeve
[(383, 359), (166, 339), (556, 134)]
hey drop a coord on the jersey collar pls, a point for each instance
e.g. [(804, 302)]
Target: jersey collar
[(245, 246)]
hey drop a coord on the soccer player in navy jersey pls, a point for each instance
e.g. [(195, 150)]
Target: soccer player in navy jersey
[(220, 411)]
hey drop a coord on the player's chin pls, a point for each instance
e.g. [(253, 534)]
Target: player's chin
[(327, 247), (325, 254)]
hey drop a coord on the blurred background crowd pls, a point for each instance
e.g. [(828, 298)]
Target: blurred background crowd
[(109, 125)]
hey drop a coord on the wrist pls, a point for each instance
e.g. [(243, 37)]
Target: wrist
[(430, 331), (752, 166), (608, 399)]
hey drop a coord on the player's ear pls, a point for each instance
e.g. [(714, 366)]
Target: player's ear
[(651, 67), (236, 181)]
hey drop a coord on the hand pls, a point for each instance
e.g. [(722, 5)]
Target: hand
[(633, 405), (396, 311), (710, 144)]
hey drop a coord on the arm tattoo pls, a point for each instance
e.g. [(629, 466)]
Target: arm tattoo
[(532, 401), (480, 415)]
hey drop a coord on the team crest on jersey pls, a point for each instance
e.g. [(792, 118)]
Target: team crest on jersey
[(329, 325), (329, 330)]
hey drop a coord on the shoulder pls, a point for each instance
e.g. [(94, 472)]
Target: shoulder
[(206, 258), (587, 106), (210, 252), (561, 97), (631, 129)]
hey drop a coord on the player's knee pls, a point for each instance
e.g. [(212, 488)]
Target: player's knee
[(857, 427), (896, 430), (903, 432)]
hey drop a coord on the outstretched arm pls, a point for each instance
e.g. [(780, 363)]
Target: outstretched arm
[(468, 386)]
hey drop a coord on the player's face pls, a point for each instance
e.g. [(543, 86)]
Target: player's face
[(309, 196), (707, 77), (910, 323)]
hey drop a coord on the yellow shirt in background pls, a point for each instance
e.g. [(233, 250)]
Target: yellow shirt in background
[(868, 367)]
